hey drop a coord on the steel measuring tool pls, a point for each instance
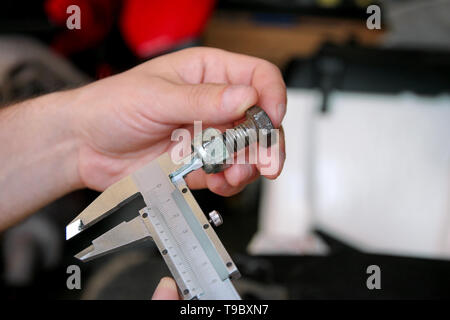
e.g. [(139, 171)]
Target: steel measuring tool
[(198, 261)]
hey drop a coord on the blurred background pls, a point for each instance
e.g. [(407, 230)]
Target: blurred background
[(367, 176)]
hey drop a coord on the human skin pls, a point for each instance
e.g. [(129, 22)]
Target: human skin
[(92, 136), (166, 290)]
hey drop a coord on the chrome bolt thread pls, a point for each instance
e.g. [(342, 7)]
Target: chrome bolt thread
[(246, 133), (232, 140), (240, 136)]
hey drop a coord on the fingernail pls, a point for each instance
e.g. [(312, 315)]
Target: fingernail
[(281, 109), (167, 283), (236, 99), (248, 169), (281, 161)]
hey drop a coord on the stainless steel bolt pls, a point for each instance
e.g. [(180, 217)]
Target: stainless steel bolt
[(215, 152), (211, 149)]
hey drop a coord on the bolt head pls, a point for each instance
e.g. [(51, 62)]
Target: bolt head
[(262, 124), (259, 117)]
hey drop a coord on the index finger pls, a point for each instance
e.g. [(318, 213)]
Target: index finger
[(266, 78), (211, 65)]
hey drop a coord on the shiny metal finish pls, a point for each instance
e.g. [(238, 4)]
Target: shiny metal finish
[(215, 148), (197, 259), (216, 218), (114, 197)]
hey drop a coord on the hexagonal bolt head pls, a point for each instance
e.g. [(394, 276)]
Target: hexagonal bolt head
[(258, 119)]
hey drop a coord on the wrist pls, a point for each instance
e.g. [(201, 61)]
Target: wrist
[(38, 155), (65, 110), (58, 136)]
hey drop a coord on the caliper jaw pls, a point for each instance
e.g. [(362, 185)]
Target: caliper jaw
[(121, 236), (194, 254), (114, 197), (198, 261)]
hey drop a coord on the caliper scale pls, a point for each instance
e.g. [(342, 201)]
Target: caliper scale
[(198, 261)]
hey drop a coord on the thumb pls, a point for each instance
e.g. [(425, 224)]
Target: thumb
[(166, 290), (212, 103)]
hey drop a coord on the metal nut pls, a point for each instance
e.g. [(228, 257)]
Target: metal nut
[(212, 149)]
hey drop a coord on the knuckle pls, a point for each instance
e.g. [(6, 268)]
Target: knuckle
[(196, 97), (270, 66)]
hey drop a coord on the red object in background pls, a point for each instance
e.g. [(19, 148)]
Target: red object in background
[(150, 27), (97, 18)]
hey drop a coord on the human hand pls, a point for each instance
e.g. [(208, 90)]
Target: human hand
[(125, 121)]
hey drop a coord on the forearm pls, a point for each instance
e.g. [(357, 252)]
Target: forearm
[(38, 155)]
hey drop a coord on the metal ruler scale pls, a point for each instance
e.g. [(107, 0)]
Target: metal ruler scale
[(187, 242), (196, 257), (194, 254)]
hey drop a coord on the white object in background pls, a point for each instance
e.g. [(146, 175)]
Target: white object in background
[(285, 216), (382, 172), (374, 171)]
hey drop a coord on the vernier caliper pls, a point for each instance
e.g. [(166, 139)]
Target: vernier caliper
[(191, 249)]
